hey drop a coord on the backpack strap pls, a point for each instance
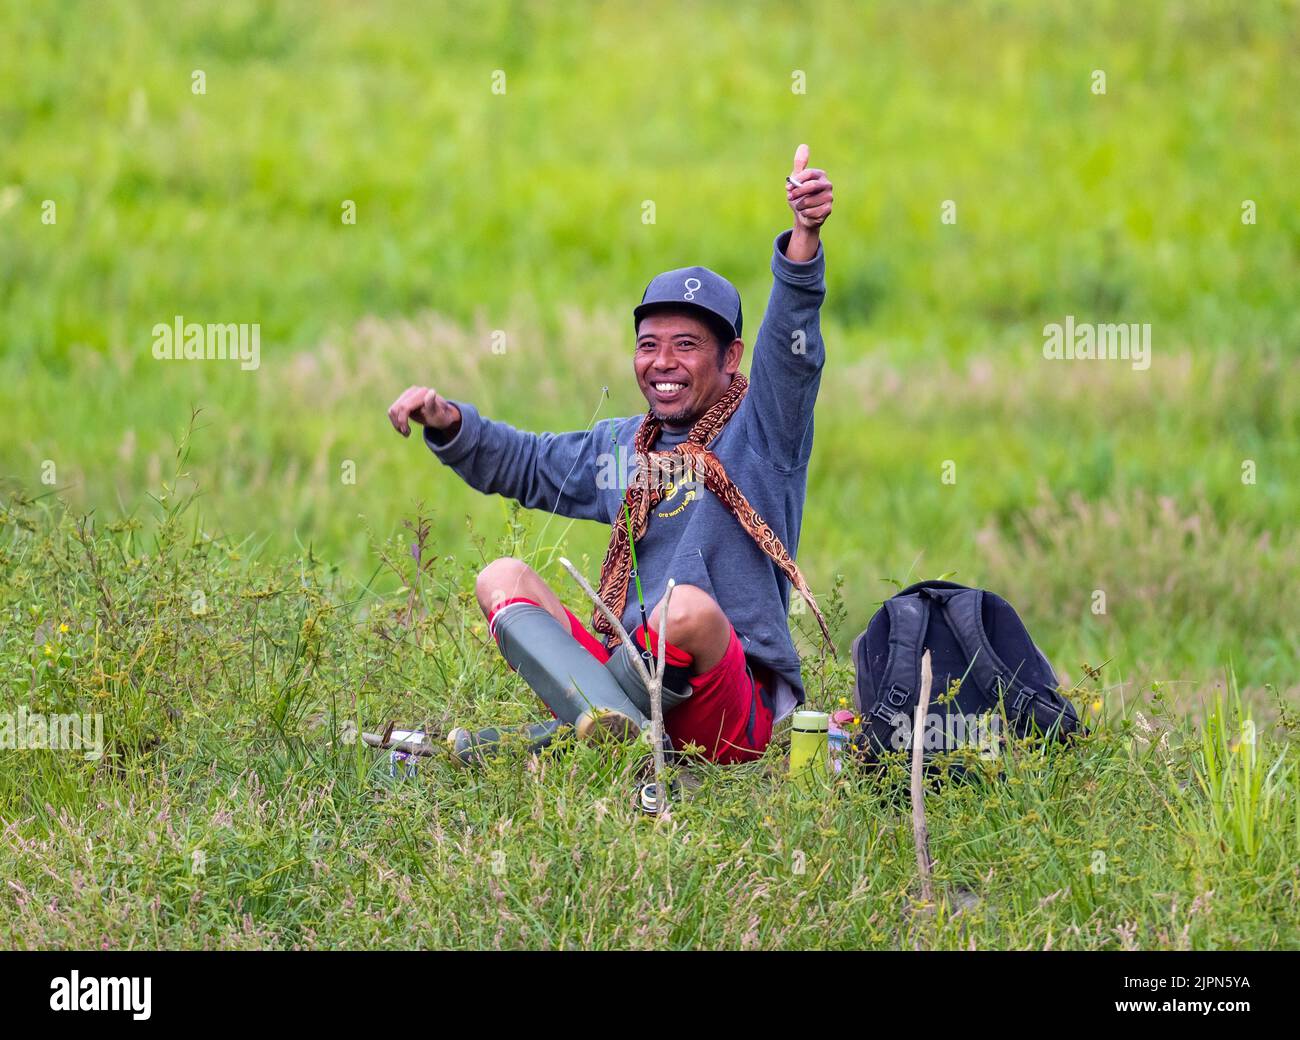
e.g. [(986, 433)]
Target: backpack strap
[(909, 617), (965, 615)]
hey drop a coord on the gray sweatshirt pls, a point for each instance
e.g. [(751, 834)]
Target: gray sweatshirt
[(691, 536)]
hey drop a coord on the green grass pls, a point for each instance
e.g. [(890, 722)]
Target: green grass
[(522, 212), (225, 738)]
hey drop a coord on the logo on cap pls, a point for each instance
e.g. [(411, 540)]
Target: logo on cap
[(691, 289)]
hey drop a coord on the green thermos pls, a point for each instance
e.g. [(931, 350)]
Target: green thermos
[(809, 747)]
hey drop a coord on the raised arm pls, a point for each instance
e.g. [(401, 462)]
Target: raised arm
[(810, 197), (788, 353), (558, 472)]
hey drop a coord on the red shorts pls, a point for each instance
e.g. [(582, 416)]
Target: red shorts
[(727, 713)]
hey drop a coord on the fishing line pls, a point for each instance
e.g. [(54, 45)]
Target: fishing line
[(647, 653), (600, 405)]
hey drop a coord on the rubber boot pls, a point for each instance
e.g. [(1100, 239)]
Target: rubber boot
[(622, 665), (573, 684), (469, 747)]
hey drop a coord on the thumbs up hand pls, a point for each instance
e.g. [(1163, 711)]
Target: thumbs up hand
[(808, 192), (800, 159)]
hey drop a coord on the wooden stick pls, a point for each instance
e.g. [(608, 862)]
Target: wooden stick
[(411, 747), (653, 683), (619, 630), (657, 706), (920, 835)]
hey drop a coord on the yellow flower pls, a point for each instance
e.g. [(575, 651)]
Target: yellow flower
[(63, 628), (1096, 705), (843, 701), (49, 650)]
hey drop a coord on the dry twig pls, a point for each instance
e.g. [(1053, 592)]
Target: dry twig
[(920, 835), (654, 683)]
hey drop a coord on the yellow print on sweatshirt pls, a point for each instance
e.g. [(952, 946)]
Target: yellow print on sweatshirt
[(687, 484)]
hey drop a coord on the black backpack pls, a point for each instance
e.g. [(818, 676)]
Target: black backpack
[(973, 636)]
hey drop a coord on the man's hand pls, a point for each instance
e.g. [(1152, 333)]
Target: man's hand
[(809, 194), (422, 404)]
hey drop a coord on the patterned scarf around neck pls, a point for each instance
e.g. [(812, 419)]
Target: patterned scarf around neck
[(647, 491)]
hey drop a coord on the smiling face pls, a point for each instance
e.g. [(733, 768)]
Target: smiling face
[(681, 366)]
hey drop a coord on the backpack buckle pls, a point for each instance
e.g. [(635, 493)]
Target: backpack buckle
[(890, 704), (1024, 696)]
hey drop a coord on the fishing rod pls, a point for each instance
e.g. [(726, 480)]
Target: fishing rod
[(646, 654)]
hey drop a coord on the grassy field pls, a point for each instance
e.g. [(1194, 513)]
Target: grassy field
[(288, 507)]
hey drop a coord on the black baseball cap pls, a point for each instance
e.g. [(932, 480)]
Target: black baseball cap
[(693, 288)]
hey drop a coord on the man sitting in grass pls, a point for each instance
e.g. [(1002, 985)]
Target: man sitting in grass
[(715, 504)]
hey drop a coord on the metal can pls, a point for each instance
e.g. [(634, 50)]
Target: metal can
[(402, 765), (838, 737)]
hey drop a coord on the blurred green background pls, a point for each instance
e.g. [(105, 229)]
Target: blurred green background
[(522, 212)]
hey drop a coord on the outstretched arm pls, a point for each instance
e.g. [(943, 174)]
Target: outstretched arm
[(789, 353), (558, 472)]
